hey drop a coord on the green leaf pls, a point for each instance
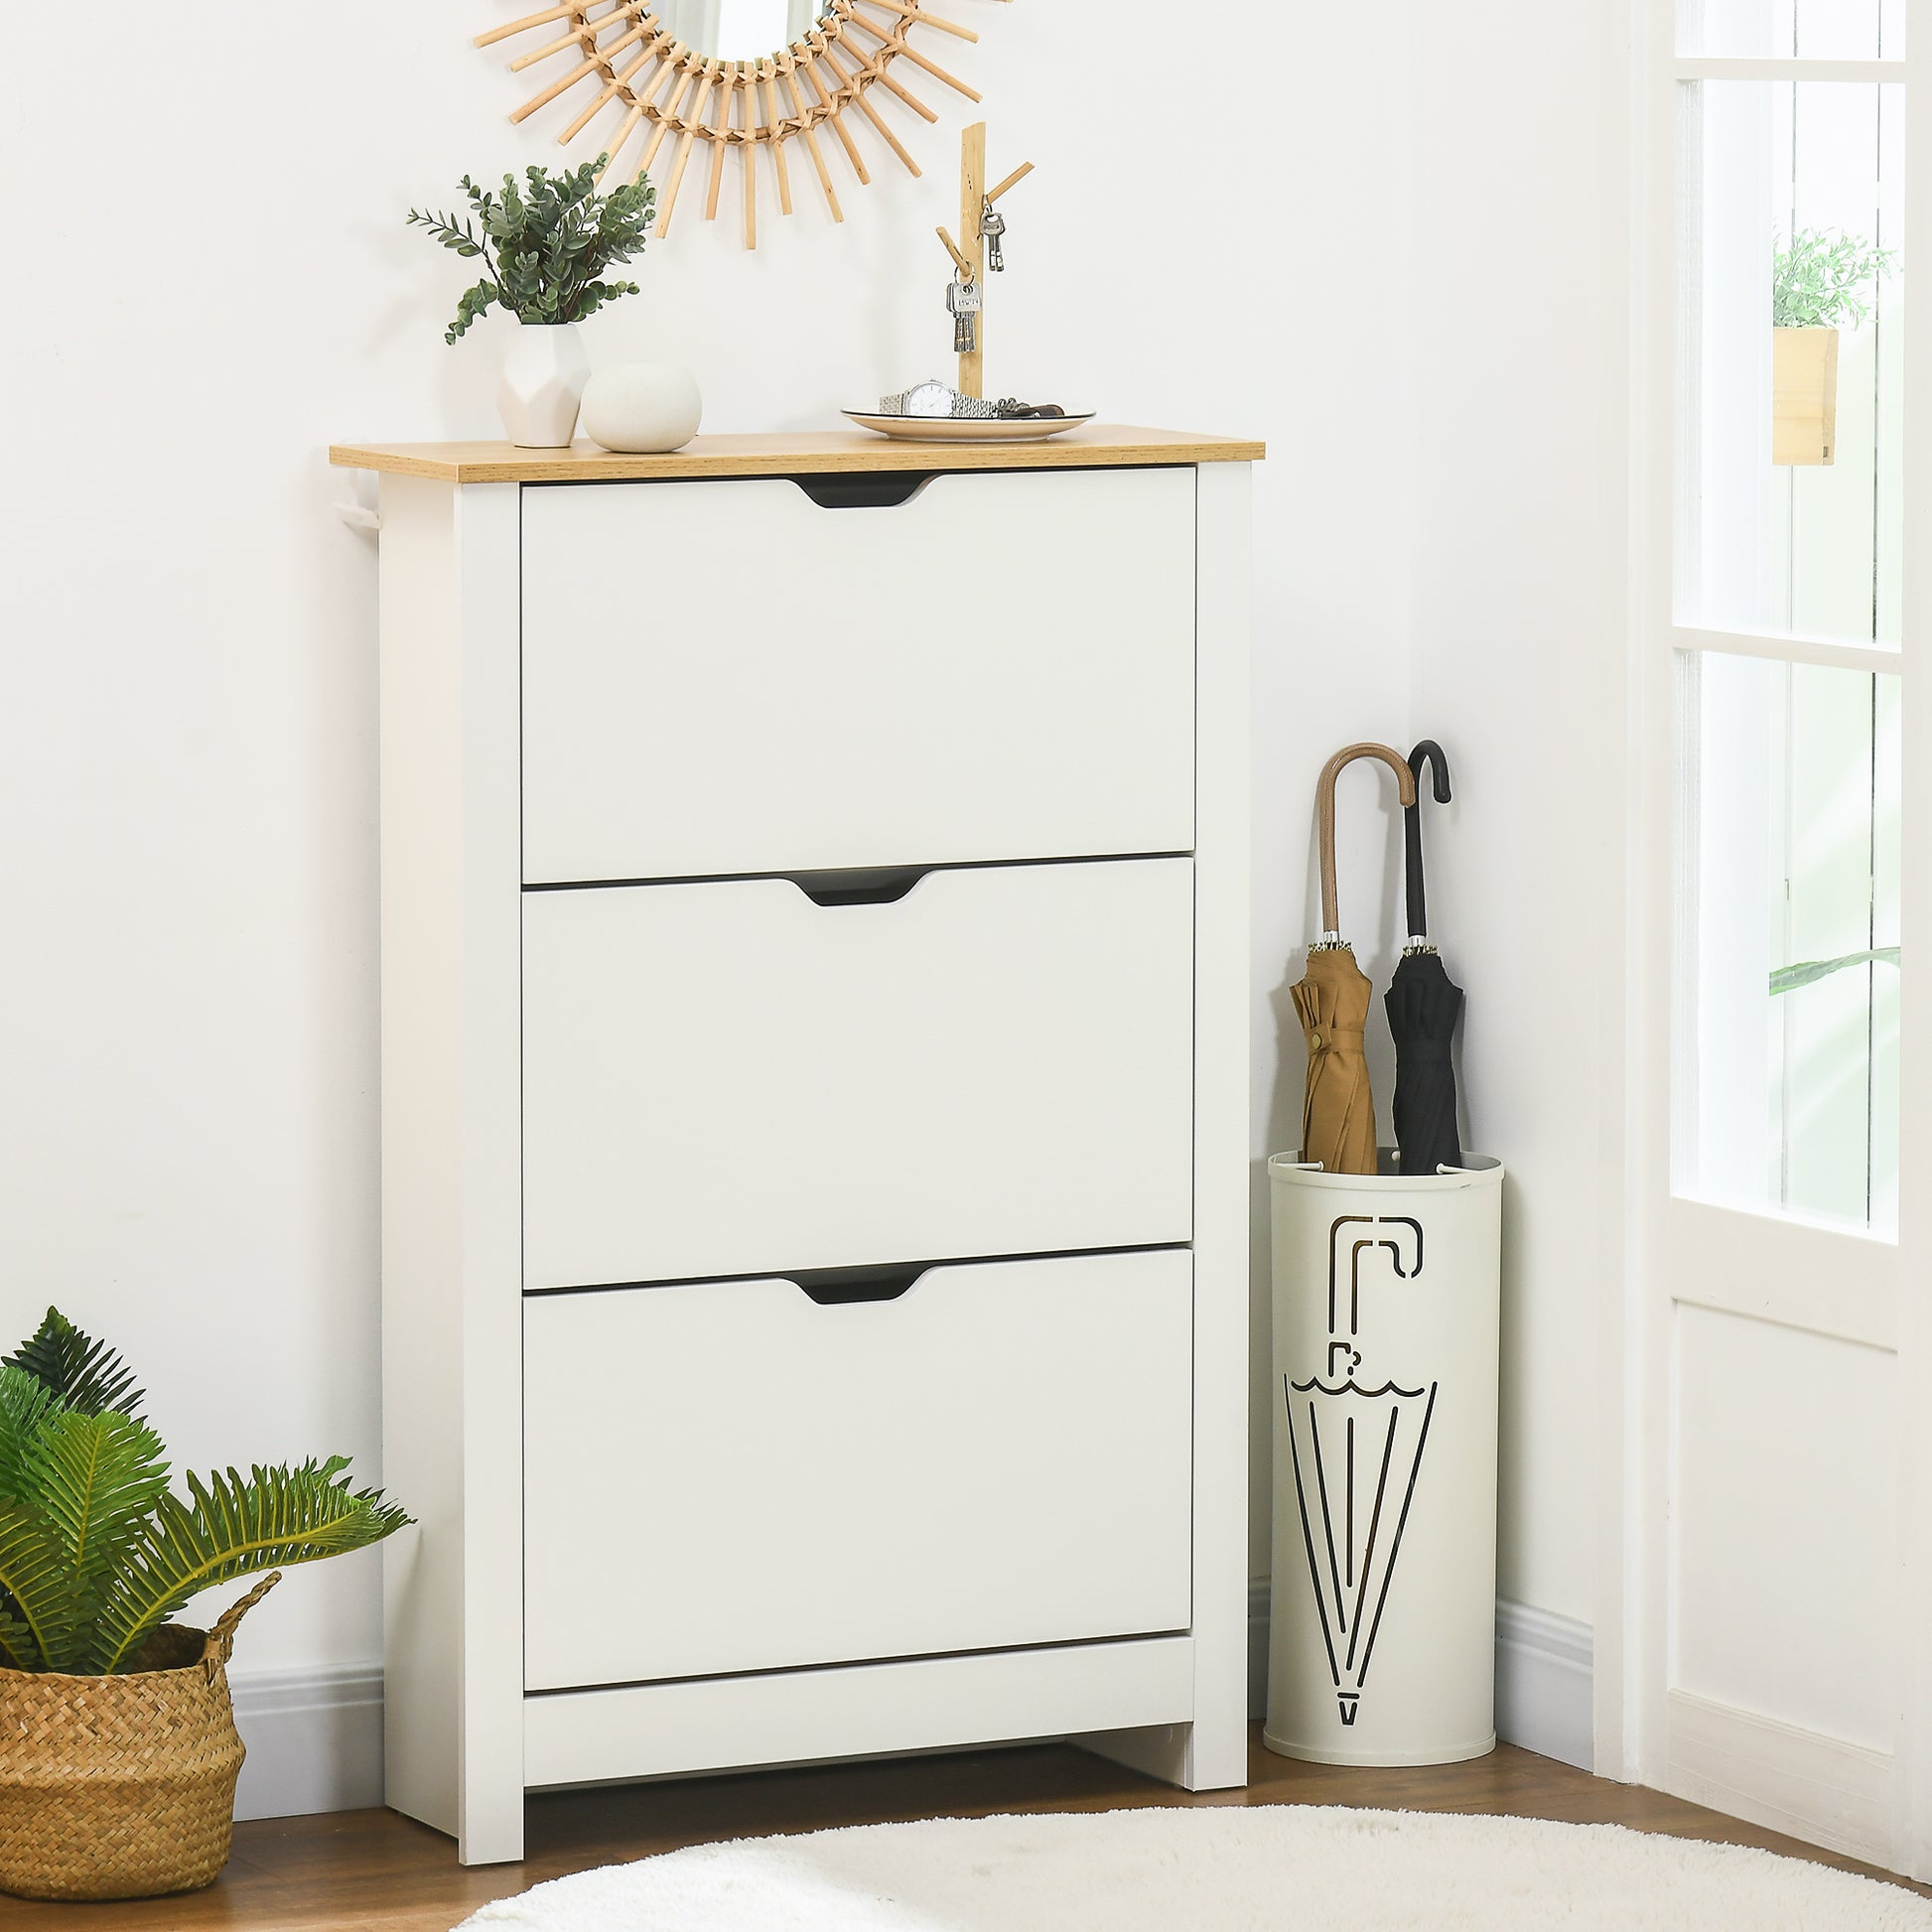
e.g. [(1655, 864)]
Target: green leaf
[(92, 1482), (472, 303), (235, 1527), (1788, 979), (35, 1582), (18, 1650), (25, 1403), (83, 1373)]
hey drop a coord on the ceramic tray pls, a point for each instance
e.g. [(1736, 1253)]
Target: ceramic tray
[(967, 429)]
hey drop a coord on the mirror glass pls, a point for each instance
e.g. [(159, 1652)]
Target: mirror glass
[(741, 30)]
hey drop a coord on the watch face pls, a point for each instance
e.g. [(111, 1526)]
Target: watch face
[(929, 399)]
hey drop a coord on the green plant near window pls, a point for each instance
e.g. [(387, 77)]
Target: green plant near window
[(96, 1551), (1821, 278), (544, 244), (1807, 972)]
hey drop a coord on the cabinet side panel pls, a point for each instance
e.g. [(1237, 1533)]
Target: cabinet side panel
[(490, 1813), (1218, 1756), (451, 1215), (422, 1279)]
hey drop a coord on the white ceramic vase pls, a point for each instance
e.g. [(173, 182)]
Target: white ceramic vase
[(545, 374), (642, 408)]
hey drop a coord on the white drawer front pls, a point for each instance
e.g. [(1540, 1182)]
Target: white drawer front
[(727, 1078), (725, 677), (732, 1477)]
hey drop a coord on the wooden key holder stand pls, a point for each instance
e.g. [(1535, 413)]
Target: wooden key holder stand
[(976, 201)]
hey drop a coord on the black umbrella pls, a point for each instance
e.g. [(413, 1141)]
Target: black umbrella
[(1423, 1006)]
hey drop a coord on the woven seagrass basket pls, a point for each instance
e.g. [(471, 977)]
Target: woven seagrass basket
[(122, 1787)]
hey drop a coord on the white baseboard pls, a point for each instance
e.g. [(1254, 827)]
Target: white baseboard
[(314, 1739), (314, 1736), (1825, 1790), (1544, 1684), (1544, 1671)]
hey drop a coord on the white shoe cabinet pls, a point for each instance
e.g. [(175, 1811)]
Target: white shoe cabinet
[(815, 1108)]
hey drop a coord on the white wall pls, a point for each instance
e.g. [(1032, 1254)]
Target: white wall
[(187, 757), (1521, 204)]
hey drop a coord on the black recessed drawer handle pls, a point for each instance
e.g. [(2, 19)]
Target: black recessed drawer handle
[(872, 885), (833, 1287), (875, 490)]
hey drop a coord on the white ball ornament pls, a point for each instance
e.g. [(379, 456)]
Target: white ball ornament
[(642, 408)]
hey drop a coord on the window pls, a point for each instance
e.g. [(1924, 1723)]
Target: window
[(1793, 902), (1786, 599)]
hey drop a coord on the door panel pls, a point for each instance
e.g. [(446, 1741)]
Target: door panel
[(729, 677), (1786, 1526), (731, 1077)]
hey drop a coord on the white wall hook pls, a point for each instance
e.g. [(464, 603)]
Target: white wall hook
[(358, 517)]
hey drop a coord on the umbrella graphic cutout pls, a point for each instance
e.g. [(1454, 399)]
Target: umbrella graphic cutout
[(1357, 1233), (1356, 1455)]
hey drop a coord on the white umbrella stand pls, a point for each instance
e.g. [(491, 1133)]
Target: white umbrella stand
[(1387, 1300)]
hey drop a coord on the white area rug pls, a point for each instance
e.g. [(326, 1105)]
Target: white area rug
[(1222, 1869)]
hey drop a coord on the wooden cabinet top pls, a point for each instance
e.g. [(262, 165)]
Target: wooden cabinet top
[(801, 452)]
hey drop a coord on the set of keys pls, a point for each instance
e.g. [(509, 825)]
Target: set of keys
[(993, 224), (964, 296), (964, 301)]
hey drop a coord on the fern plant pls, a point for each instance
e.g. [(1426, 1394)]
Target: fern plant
[(96, 1551), (544, 245)]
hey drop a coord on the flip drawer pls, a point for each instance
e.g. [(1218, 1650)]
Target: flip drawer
[(734, 1476), (732, 677), (731, 1077)]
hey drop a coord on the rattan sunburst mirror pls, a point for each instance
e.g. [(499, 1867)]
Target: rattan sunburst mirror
[(695, 68)]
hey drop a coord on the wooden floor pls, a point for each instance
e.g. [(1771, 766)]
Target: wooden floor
[(379, 1873)]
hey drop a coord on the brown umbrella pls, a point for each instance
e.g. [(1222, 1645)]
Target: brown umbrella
[(1333, 999)]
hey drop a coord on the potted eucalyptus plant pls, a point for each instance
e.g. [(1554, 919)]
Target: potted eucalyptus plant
[(118, 1753), (545, 244), (1819, 282)]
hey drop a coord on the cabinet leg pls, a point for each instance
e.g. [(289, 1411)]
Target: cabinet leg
[(1200, 1757), (501, 1842), (489, 1828)]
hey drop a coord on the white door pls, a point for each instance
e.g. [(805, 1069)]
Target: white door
[(1778, 1366)]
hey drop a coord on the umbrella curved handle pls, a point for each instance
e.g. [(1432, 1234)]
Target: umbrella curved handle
[(1428, 756), (1324, 800)]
